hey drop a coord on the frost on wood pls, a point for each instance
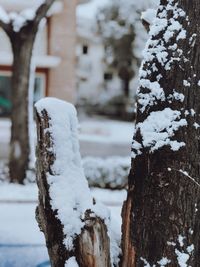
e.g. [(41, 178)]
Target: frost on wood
[(66, 169), (159, 127), (18, 20), (162, 207), (67, 213), (163, 51)]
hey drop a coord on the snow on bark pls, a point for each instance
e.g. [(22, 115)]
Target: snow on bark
[(159, 128), (149, 15), (67, 169), (71, 262), (4, 16), (18, 20), (163, 196), (84, 224), (156, 49)]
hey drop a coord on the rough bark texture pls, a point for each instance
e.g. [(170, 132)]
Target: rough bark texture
[(92, 246), (161, 217), (22, 45)]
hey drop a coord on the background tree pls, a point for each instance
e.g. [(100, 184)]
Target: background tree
[(21, 29), (161, 216), (120, 25)]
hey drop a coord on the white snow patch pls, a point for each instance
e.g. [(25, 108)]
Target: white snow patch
[(190, 249), (177, 96), (182, 258), (4, 16), (169, 243), (71, 262), (145, 262), (186, 83), (159, 127), (164, 261), (196, 125), (182, 35), (192, 112), (191, 231), (180, 240), (149, 15), (156, 93), (136, 149)]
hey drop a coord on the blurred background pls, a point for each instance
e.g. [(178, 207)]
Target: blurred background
[(88, 53)]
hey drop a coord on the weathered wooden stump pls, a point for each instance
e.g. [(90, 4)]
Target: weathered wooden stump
[(75, 235)]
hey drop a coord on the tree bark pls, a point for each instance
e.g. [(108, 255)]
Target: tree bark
[(161, 216), (22, 46), (92, 246), (126, 87)]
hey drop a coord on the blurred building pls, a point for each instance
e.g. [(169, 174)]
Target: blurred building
[(54, 53), (96, 82)]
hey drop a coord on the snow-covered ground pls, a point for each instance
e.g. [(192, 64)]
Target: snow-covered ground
[(21, 243), (98, 137), (106, 131)]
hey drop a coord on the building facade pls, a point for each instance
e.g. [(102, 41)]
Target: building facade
[(97, 82), (54, 53)]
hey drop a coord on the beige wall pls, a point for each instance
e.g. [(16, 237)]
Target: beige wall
[(62, 44), (57, 39)]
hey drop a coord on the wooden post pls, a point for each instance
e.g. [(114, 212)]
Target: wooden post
[(90, 248)]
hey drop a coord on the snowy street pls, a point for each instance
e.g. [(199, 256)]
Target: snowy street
[(98, 137), (21, 242)]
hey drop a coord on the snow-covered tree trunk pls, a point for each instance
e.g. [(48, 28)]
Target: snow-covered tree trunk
[(161, 217), (21, 30), (73, 224)]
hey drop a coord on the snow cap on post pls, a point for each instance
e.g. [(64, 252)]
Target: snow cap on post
[(69, 191), (74, 227)]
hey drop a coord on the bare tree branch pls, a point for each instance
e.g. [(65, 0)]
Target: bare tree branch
[(41, 13), (6, 26), (42, 10)]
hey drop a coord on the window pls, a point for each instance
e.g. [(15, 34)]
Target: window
[(5, 91), (85, 49), (5, 94), (39, 87), (108, 76)]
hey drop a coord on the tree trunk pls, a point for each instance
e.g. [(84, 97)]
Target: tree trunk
[(91, 248), (161, 216), (126, 87), (22, 46), (22, 41)]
